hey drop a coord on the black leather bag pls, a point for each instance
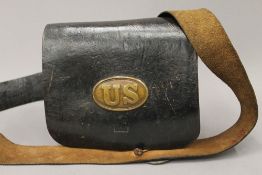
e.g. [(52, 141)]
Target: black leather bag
[(127, 91), (76, 56)]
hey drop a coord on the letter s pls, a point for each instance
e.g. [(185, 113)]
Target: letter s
[(130, 96)]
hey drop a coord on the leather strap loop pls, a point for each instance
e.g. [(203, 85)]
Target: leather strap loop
[(215, 49)]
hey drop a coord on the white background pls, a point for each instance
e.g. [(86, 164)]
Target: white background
[(21, 28)]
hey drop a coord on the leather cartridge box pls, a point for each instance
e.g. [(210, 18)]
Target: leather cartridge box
[(120, 85)]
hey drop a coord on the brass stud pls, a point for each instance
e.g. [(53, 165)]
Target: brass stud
[(138, 152)]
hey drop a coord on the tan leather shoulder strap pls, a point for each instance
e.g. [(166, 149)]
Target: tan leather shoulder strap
[(215, 49)]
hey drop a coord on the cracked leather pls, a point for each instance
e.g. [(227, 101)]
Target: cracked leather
[(78, 55)]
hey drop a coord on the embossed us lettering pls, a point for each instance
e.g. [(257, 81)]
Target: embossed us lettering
[(120, 93)]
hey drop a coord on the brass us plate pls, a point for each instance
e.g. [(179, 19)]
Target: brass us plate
[(120, 93)]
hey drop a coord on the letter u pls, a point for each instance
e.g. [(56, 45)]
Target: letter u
[(107, 97)]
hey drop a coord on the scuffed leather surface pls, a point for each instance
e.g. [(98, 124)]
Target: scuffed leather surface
[(21, 91), (78, 55)]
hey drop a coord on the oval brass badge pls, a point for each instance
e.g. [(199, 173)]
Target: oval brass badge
[(120, 93)]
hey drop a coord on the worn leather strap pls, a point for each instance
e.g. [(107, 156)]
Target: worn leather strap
[(215, 49)]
